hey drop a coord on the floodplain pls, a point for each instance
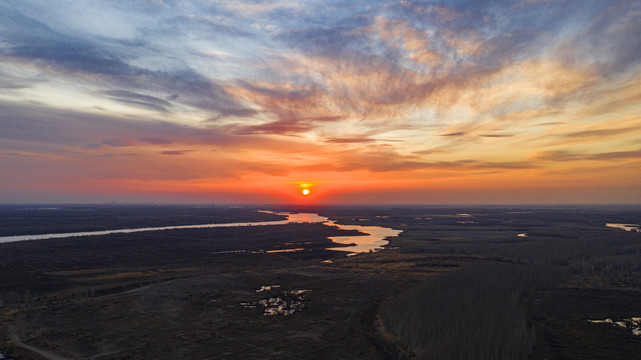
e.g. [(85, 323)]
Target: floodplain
[(484, 282)]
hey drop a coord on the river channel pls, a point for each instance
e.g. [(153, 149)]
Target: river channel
[(374, 239)]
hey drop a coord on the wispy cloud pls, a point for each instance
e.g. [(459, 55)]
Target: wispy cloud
[(175, 152), (564, 155), (598, 133), (251, 91), (136, 99), (617, 155)]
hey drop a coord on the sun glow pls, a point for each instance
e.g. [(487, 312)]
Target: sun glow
[(305, 189)]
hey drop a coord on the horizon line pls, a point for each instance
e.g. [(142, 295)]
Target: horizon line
[(223, 204)]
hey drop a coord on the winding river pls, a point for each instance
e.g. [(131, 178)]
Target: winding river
[(373, 240)]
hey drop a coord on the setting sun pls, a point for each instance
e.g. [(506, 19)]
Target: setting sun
[(305, 188)]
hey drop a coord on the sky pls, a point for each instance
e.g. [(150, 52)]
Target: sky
[(357, 102)]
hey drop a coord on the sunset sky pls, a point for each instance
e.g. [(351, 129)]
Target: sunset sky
[(429, 102)]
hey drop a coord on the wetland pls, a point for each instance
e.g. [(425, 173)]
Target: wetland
[(290, 290)]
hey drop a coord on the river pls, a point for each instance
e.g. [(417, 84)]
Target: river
[(374, 239)]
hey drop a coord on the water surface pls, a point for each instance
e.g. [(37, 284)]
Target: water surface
[(373, 238), (375, 241), (626, 227)]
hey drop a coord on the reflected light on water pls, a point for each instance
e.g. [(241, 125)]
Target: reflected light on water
[(626, 227), (373, 237), (306, 218)]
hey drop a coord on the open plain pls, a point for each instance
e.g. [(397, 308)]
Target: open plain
[(474, 282)]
